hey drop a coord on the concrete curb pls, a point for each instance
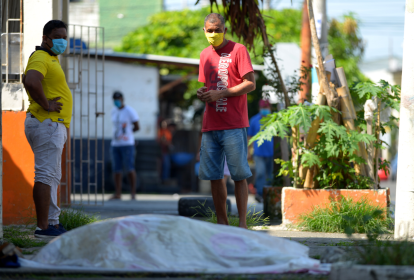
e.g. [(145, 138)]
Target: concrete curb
[(371, 272)]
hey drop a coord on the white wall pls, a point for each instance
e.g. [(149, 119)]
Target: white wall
[(139, 84)]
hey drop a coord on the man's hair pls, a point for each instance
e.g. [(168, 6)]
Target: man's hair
[(48, 28), (213, 18)]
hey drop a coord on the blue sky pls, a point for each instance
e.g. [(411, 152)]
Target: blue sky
[(381, 21)]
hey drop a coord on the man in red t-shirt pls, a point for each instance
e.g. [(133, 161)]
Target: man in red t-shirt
[(227, 74)]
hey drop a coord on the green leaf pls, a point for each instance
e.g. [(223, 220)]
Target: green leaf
[(300, 116), (368, 90), (309, 159)]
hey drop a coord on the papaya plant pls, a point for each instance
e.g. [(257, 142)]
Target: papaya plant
[(333, 153)]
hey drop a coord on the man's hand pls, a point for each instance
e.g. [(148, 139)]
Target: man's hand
[(54, 106), (211, 96), (201, 91)]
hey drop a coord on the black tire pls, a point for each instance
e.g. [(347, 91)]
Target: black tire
[(198, 206)]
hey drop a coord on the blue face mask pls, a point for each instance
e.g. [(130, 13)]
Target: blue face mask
[(118, 103), (264, 112), (59, 46)]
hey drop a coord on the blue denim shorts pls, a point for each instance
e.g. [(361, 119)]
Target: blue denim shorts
[(123, 157), (215, 145)]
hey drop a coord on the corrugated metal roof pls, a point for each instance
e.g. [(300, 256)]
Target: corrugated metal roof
[(159, 59)]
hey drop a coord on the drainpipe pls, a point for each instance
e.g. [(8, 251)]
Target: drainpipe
[(306, 45), (404, 204)]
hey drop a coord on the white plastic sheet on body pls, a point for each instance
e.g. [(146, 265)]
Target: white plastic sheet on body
[(161, 243)]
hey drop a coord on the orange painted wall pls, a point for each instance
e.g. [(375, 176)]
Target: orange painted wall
[(18, 171), (296, 202)]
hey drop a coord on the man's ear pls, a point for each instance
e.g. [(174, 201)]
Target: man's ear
[(225, 30)]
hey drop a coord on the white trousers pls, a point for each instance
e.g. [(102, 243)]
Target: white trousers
[(47, 139)]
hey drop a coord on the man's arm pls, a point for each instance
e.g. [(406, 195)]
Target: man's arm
[(248, 85), (33, 84), (136, 126)]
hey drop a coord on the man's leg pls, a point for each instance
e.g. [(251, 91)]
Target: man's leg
[(118, 185), (234, 142), (219, 193), (133, 181), (117, 169), (260, 174), (41, 197), (242, 195), (211, 169), (128, 156)]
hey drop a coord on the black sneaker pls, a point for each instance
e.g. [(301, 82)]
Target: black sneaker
[(61, 228), (49, 233)]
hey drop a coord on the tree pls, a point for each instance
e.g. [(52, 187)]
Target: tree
[(179, 33)]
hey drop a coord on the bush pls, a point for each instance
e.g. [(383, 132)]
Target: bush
[(347, 216), (71, 218)]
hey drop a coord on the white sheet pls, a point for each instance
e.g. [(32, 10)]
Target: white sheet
[(161, 243)]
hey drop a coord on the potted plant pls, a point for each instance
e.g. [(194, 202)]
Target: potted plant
[(329, 162)]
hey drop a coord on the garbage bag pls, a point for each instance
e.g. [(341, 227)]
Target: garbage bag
[(164, 243)]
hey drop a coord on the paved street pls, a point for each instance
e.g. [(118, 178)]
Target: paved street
[(146, 204)]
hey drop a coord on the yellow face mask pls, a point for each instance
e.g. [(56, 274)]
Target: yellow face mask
[(215, 39)]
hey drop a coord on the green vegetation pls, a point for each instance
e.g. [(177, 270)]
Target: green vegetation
[(347, 216), (74, 218), (333, 152), (21, 236), (253, 218), (386, 252), (347, 46), (179, 33)]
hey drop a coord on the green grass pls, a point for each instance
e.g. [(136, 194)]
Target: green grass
[(347, 216), (253, 218), (385, 252), (72, 218), (20, 236)]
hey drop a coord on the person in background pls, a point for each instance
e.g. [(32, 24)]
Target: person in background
[(165, 136), (124, 124), (47, 120), (263, 154)]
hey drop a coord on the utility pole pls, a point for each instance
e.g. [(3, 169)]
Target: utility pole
[(306, 46), (321, 22), (404, 205)]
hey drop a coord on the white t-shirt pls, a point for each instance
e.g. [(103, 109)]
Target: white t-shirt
[(122, 126)]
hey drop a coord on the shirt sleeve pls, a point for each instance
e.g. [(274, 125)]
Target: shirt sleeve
[(37, 62), (201, 76), (244, 63), (133, 115)]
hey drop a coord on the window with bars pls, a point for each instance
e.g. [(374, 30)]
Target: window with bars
[(12, 40)]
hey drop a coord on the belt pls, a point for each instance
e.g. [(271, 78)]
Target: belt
[(32, 116)]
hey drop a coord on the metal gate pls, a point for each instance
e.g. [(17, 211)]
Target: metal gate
[(83, 173)]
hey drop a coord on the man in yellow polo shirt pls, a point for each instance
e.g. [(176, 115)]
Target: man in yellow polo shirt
[(48, 117)]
